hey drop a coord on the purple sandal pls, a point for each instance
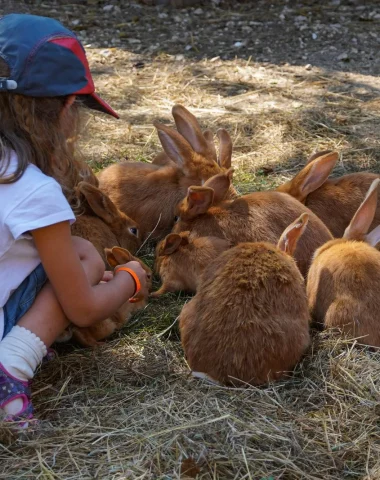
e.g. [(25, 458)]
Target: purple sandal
[(50, 355), (12, 388)]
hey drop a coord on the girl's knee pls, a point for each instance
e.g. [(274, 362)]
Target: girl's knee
[(83, 247), (90, 258)]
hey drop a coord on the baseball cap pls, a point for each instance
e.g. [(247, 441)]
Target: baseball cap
[(46, 60)]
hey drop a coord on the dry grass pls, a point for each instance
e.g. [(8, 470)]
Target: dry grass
[(128, 409), (276, 115)]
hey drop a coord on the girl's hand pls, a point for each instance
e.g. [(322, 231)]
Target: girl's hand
[(107, 276), (139, 271)]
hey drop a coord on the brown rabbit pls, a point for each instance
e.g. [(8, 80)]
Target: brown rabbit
[(149, 193), (344, 279), (90, 336), (334, 200), (180, 260), (104, 225), (259, 216), (249, 320)]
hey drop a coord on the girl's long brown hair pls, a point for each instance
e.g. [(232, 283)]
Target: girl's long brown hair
[(31, 127)]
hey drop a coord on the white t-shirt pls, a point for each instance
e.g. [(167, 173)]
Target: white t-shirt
[(33, 201)]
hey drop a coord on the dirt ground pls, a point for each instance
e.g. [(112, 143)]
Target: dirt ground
[(286, 78)]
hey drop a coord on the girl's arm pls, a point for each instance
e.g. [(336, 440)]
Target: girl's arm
[(82, 303)]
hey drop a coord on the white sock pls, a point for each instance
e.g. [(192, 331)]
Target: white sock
[(21, 351)]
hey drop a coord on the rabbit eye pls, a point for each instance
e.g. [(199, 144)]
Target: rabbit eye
[(176, 219), (134, 231)]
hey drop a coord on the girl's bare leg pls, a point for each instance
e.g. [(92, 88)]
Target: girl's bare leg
[(22, 350), (45, 318)]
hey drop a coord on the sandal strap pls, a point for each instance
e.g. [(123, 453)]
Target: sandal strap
[(12, 388)]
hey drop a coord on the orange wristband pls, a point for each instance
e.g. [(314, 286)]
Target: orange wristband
[(133, 275)]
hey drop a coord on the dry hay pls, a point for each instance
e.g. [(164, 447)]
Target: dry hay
[(130, 410), (276, 115)]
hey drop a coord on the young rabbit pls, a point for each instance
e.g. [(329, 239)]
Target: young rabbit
[(90, 336), (344, 279), (333, 200), (249, 321), (180, 260), (149, 193), (259, 216), (103, 224)]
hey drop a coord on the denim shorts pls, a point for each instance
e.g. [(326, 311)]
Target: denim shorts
[(23, 297)]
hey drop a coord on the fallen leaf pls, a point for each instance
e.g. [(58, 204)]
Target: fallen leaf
[(189, 468)]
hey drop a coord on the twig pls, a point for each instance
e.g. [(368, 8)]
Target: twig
[(150, 234)]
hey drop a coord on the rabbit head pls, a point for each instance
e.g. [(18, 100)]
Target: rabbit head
[(123, 227), (180, 260)]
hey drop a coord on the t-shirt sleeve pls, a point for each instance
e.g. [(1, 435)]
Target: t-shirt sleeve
[(43, 207)]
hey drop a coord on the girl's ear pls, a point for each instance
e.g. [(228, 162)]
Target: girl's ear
[(65, 119), (69, 101)]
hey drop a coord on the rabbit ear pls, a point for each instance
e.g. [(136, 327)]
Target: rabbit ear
[(175, 146), (118, 256), (225, 148), (209, 137), (88, 175), (188, 126), (364, 215), (199, 200), (315, 155), (122, 255), (311, 177), (373, 238), (171, 244), (289, 239), (101, 205), (162, 160), (220, 183), (111, 260)]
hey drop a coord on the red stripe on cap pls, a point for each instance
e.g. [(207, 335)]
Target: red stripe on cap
[(74, 46), (105, 107)]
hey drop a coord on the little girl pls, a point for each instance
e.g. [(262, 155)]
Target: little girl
[(47, 277)]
